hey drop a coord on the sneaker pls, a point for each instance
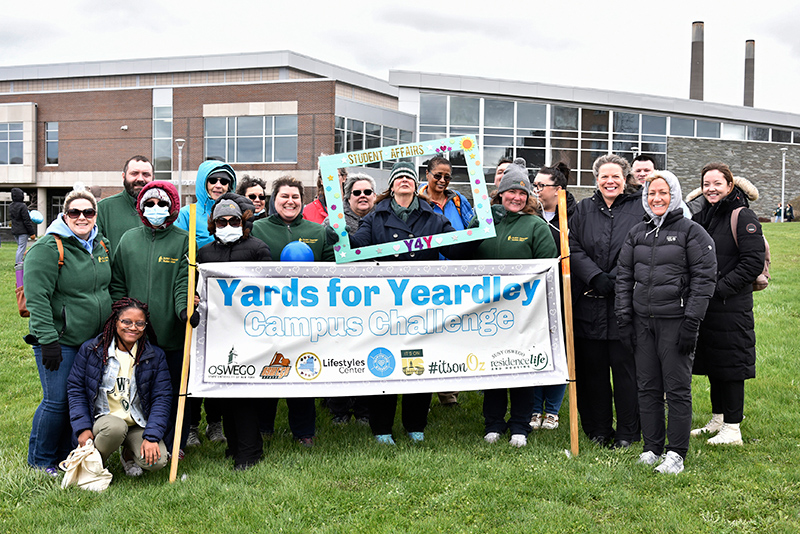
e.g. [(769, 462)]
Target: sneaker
[(193, 437), (713, 426), (492, 437), (341, 419), (672, 464), (363, 421), (518, 440), (648, 458), (386, 439), (51, 472), (181, 454), (550, 422), (215, 433), (306, 442), (536, 421), (416, 437), (131, 469), (730, 434)]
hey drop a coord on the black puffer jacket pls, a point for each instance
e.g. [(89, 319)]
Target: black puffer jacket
[(726, 348), (247, 248), (667, 272), (596, 235), (21, 223)]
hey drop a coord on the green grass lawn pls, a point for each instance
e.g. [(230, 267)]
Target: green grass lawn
[(453, 482)]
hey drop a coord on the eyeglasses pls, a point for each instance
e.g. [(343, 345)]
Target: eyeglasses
[(235, 222), (222, 181), (153, 203), (138, 325), (359, 192), (253, 196), (442, 176), (74, 213), (539, 187)]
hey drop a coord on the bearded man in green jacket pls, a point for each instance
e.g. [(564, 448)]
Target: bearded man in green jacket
[(117, 214)]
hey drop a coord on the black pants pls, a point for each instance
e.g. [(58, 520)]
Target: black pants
[(595, 361), (344, 406), (415, 412), (727, 398), (302, 416), (495, 402), (661, 369), (240, 418), (214, 410)]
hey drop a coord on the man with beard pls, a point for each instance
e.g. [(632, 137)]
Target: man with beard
[(117, 214)]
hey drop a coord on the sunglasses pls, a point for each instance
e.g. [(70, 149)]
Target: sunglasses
[(259, 197), (359, 192), (74, 213), (235, 222), (127, 323), (153, 203), (222, 181), (442, 176)]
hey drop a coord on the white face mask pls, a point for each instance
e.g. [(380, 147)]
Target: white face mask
[(156, 215), (229, 234)]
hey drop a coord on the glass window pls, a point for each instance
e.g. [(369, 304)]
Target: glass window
[(531, 116), (564, 118), (654, 125), (733, 131), (781, 136), (757, 134), (285, 125), (681, 127), (626, 122), (162, 142), (11, 143), (708, 129), (51, 140), (594, 120), (215, 127), (250, 126), (464, 111), (257, 139), (432, 109), (796, 137), (498, 113)]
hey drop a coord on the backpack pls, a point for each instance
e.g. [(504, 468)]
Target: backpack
[(762, 281)]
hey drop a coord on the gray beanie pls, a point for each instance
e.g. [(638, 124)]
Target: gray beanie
[(515, 177), (403, 168), (227, 207)]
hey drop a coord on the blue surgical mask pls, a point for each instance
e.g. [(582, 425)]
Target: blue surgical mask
[(156, 215)]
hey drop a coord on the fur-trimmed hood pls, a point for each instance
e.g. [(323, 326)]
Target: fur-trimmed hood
[(747, 187)]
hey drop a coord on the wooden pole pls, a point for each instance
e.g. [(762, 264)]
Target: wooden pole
[(187, 344), (567, 288)]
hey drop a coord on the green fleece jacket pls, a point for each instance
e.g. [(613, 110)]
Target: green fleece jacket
[(71, 304), (115, 216), (520, 236), (151, 266), (277, 234)]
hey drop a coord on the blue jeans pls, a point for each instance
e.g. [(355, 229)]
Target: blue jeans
[(549, 397), (22, 244), (51, 434)]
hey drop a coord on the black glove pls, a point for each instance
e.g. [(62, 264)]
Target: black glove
[(498, 213), (603, 284), (194, 321), (627, 336), (51, 356), (331, 235), (687, 336)]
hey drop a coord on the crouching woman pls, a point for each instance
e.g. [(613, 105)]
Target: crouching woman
[(665, 278), (119, 391)]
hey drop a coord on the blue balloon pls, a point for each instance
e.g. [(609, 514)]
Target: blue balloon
[(36, 217), (297, 251)]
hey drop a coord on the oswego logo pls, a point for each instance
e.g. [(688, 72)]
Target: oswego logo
[(278, 368), (308, 366)]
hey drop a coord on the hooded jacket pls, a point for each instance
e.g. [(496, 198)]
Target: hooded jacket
[(246, 248), (726, 347), (21, 223), (116, 215), (68, 304), (459, 215), (204, 202), (596, 235), (151, 389), (667, 266), (151, 265)]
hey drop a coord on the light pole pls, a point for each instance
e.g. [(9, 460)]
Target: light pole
[(179, 143), (783, 182)]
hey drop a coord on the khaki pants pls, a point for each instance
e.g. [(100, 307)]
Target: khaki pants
[(110, 432)]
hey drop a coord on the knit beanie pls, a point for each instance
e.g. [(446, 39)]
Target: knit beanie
[(403, 168), (515, 177), (225, 208)]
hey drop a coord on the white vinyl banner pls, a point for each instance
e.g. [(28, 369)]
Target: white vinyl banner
[(325, 330)]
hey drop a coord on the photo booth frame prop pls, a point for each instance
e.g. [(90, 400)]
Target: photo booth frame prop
[(329, 166)]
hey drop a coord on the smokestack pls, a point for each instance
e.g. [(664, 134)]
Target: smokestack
[(696, 77), (749, 72)]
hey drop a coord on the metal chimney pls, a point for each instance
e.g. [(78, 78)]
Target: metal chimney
[(696, 77), (749, 72)]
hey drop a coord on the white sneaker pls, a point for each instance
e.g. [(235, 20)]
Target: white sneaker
[(713, 426), (130, 467), (648, 458), (536, 421), (672, 464), (518, 440), (729, 435), (550, 422), (491, 437)]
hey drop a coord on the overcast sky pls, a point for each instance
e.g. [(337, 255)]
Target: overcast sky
[(642, 47)]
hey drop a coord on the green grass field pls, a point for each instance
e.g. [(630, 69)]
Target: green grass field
[(454, 482)]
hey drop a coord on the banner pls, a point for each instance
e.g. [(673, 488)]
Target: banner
[(325, 330)]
